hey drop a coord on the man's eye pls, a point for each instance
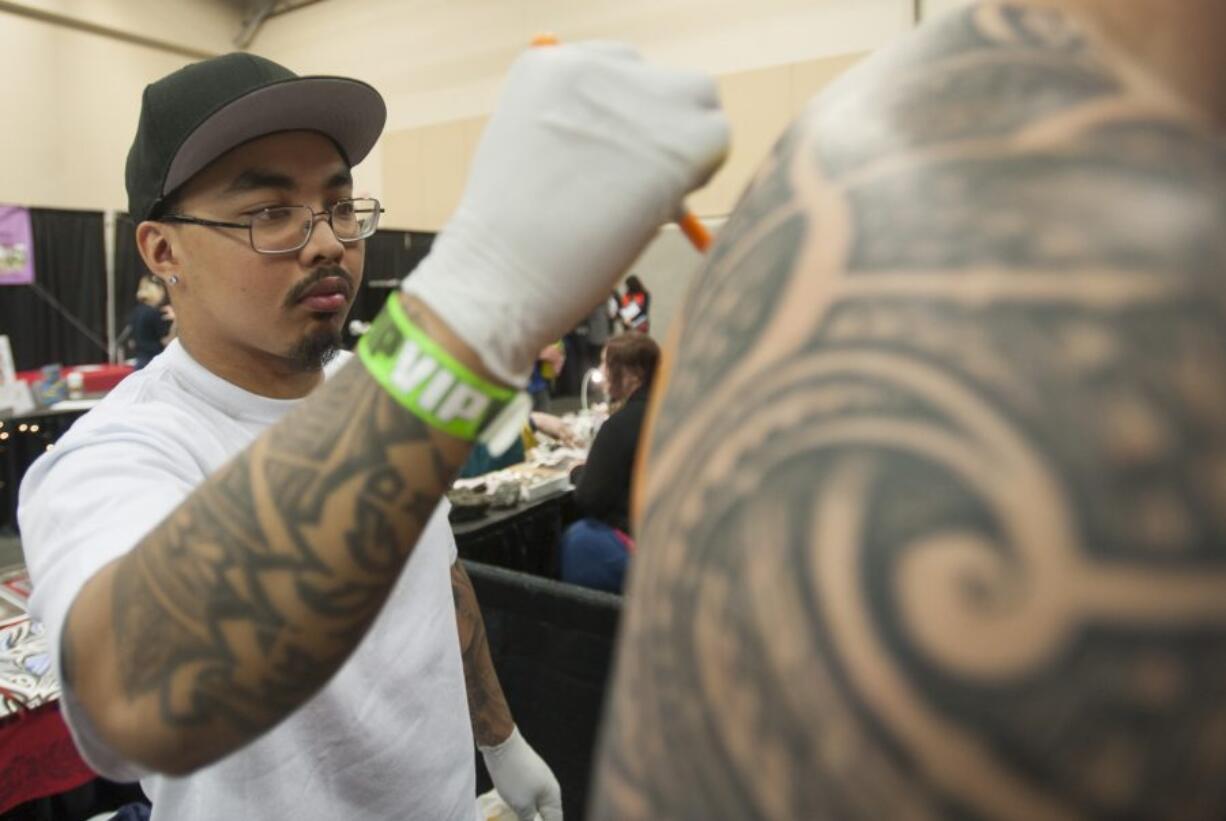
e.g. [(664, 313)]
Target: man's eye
[(270, 216)]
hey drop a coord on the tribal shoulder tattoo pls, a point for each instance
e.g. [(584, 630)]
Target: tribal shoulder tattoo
[(935, 519)]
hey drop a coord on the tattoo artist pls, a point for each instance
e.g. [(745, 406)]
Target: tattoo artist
[(240, 555)]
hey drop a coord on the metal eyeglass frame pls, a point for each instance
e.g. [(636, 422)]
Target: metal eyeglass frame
[(187, 219)]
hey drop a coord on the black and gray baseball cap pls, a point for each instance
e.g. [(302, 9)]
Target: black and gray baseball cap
[(193, 116)]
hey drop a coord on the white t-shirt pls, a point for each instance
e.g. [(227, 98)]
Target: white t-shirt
[(387, 737)]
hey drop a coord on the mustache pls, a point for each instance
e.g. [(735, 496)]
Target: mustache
[(318, 275)]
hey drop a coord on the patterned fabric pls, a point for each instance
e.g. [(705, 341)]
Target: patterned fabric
[(26, 679), (37, 756), (14, 593)]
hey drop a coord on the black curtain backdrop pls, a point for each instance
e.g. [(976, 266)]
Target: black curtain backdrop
[(129, 268), (69, 268), (552, 647), (389, 255)]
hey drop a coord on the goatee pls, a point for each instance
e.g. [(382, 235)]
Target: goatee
[(316, 350)]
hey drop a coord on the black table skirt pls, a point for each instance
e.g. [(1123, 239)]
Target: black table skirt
[(552, 646), (19, 451), (523, 538)]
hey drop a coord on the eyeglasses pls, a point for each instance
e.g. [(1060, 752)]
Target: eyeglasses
[(288, 228)]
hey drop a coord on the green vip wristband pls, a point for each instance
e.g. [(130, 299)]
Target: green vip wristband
[(435, 387)]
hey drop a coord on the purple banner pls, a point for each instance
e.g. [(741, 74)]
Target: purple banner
[(16, 246)]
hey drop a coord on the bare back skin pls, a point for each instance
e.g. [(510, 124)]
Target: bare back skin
[(934, 504)]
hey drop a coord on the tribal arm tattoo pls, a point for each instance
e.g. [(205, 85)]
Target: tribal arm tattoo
[(487, 707), (246, 599), (935, 499)]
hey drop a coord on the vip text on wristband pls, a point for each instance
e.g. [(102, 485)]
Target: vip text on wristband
[(425, 379)]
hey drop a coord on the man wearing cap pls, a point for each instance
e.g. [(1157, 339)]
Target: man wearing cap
[(244, 567)]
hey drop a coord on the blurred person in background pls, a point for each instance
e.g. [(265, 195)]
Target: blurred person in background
[(635, 313), (549, 364), (595, 549), (151, 323), (586, 342)]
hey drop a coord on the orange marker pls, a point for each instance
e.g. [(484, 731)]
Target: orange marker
[(695, 231)]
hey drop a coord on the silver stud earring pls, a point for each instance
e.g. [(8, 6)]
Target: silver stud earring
[(174, 279)]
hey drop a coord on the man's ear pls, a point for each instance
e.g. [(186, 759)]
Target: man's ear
[(157, 248)]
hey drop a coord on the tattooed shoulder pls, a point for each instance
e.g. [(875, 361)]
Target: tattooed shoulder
[(938, 486)]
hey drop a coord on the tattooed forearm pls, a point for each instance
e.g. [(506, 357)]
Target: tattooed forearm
[(936, 490), (491, 717), (246, 599)]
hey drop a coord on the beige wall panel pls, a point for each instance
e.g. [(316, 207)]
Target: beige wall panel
[(758, 104), (443, 168), (809, 78), (436, 61), (728, 36), (433, 60), (77, 119), (29, 153), (761, 105), (443, 60), (101, 110), (474, 127), (403, 189), (204, 26), (368, 174), (935, 8), (425, 170)]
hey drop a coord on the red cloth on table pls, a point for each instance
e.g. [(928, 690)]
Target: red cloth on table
[(37, 757)]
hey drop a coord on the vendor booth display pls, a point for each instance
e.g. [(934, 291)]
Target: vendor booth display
[(16, 246)]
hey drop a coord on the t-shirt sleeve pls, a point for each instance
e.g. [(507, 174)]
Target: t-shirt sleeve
[(82, 506)]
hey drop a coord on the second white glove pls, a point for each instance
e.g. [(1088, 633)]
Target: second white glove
[(589, 151), (523, 779)]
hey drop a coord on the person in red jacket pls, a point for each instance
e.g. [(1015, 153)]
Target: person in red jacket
[(636, 306)]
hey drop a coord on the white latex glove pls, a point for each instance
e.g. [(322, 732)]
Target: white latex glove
[(523, 779), (589, 151)]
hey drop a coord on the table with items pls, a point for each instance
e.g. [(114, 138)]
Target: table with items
[(514, 517)]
